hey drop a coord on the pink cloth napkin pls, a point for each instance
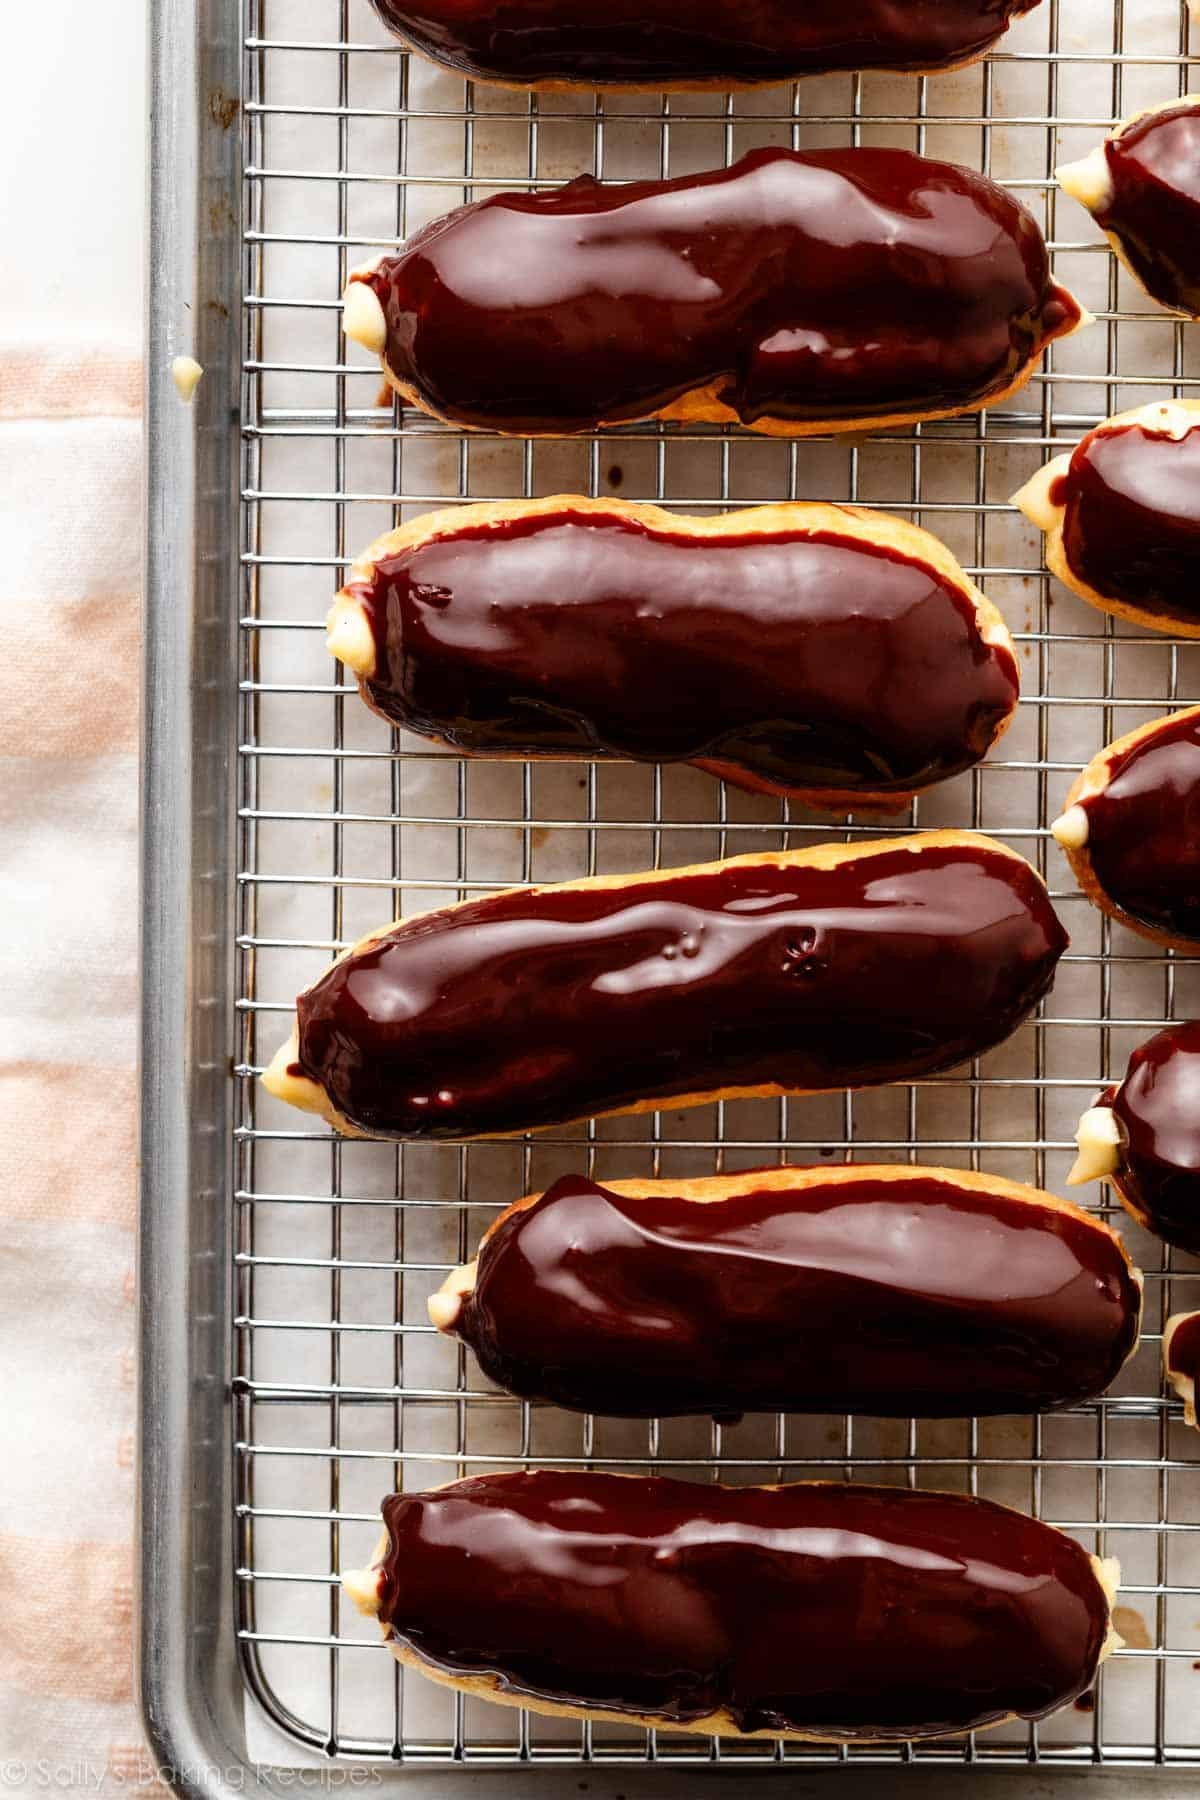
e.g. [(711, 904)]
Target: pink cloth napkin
[(70, 567)]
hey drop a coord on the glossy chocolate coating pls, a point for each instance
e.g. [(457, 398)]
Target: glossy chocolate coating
[(1155, 207), (650, 43), (535, 1007), (1132, 525), (1144, 830), (892, 1296), (813, 286), (808, 662), (1158, 1105), (849, 1612), (1183, 1356)]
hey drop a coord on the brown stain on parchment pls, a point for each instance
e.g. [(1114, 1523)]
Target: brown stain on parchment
[(1132, 1628)]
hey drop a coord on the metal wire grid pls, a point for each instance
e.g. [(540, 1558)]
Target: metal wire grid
[(341, 1388)]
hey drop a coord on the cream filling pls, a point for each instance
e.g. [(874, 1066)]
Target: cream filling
[(363, 318), (1089, 181), (1034, 498), (446, 1304), (1099, 1139), (362, 1585), (297, 1090), (186, 373), (348, 635), (1071, 830)]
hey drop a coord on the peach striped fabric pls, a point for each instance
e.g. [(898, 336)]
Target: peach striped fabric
[(70, 557)]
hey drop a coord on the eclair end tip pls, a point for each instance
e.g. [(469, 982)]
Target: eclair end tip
[(444, 1309), (445, 1305), (1071, 830), (275, 1075), (349, 638), (285, 1081), (1035, 498), (362, 1587), (1098, 1136), (363, 317), (1087, 180)]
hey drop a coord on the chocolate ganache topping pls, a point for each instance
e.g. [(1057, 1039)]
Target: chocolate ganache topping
[(1154, 207), (812, 288), (726, 43), (1131, 529), (848, 1612), (1158, 1108), (871, 1291), (804, 661), (1143, 829), (821, 970)]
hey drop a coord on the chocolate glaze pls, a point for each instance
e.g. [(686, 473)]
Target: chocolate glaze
[(1183, 1356), (808, 661), (1132, 525), (1144, 830), (815, 286), (1154, 212), (534, 1007), (885, 1295), (1158, 1105), (849, 1612), (651, 42)]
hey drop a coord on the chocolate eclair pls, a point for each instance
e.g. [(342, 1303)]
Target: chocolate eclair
[(1131, 830), (796, 292), (1181, 1359), (832, 654), (1143, 1135), (1142, 186), (888, 1290), (1121, 513), (722, 44), (815, 1610), (784, 972)]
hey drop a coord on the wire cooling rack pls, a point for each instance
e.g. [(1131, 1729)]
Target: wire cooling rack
[(341, 1388)]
